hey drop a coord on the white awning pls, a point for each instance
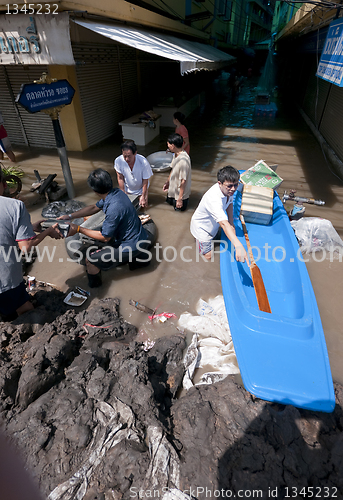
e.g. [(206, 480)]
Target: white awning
[(193, 56)]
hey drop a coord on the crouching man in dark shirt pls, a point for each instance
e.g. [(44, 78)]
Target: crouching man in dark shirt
[(121, 229)]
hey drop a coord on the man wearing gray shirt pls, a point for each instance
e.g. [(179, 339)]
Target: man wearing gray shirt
[(16, 234), (178, 185)]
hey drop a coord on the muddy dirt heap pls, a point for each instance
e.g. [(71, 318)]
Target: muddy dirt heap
[(96, 416)]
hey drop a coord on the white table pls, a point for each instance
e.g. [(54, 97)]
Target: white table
[(140, 132)]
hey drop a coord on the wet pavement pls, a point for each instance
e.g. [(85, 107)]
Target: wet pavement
[(220, 134)]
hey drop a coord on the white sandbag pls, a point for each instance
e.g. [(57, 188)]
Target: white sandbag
[(211, 322), (211, 344)]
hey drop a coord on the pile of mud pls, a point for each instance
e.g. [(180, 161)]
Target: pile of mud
[(96, 417)]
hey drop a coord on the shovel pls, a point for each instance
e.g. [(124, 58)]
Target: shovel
[(261, 294)]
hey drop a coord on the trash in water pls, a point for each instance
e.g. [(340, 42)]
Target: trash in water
[(58, 208), (141, 307), (162, 317), (31, 282), (75, 299)]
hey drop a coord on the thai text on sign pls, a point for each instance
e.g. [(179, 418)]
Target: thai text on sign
[(330, 67)]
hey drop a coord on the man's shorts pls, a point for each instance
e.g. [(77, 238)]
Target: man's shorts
[(12, 299), (204, 247)]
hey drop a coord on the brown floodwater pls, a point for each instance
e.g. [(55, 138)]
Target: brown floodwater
[(220, 135)]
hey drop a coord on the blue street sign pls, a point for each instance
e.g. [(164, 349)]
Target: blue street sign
[(330, 67), (35, 97)]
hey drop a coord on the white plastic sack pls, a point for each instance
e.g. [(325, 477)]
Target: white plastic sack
[(314, 233), (115, 424), (191, 361), (211, 343)]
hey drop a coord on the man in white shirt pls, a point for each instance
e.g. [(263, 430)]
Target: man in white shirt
[(215, 211), (133, 172)]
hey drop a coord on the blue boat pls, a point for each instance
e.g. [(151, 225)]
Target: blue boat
[(282, 355)]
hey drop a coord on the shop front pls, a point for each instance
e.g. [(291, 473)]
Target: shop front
[(116, 71), (29, 46)]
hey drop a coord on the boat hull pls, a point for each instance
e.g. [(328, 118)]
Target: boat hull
[(282, 355)]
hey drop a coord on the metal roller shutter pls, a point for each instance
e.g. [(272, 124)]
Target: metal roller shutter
[(331, 126), (9, 110), (130, 80), (116, 82), (315, 98), (107, 85), (24, 128)]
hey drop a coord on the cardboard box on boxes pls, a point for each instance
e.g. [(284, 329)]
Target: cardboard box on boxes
[(261, 175), (257, 204)]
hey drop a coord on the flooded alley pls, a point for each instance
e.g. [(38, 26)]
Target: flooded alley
[(98, 415), (221, 133)]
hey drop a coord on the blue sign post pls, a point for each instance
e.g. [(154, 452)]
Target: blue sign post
[(36, 97), (50, 96), (330, 67)]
